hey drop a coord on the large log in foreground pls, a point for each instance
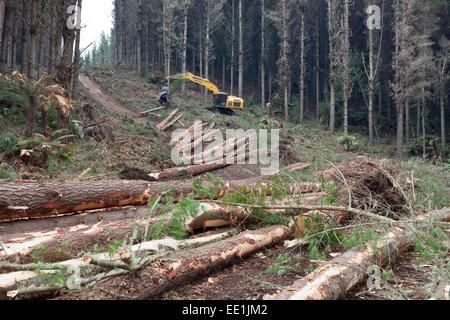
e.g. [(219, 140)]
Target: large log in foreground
[(333, 280), (43, 199), (184, 266), (60, 243), (30, 200)]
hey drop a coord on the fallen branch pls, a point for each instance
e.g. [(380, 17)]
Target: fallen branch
[(215, 214), (184, 266), (85, 172), (297, 166), (43, 290), (313, 208), (31, 266), (9, 281)]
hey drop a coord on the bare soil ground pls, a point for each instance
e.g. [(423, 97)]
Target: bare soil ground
[(248, 280), (407, 282), (237, 172), (96, 93)]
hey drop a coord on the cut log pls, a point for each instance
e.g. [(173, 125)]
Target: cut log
[(204, 137), (83, 232), (20, 200), (442, 215), (228, 149), (297, 166), (214, 215), (187, 133), (62, 243), (184, 267), (36, 200), (91, 217), (171, 123), (190, 132), (167, 120), (333, 280), (11, 281), (174, 173), (150, 111)]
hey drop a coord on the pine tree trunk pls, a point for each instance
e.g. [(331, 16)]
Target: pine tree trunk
[(77, 53), (6, 35), (317, 61), (200, 43), (33, 39), (224, 69), (408, 121), (418, 119), (140, 26), (41, 60), (65, 71), (302, 70), (332, 57), (332, 107), (24, 68), (285, 71), (183, 63), (263, 72), (270, 91), (232, 46), (346, 62), (241, 52), (443, 132), (2, 21), (424, 142), (166, 40), (14, 39), (400, 108), (371, 86), (207, 46), (52, 48)]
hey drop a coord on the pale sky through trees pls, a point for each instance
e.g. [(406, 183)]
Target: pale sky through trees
[(96, 15)]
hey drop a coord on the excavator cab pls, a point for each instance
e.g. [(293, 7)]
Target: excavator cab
[(220, 99), (223, 100)]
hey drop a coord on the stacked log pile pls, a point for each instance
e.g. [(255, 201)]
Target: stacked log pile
[(169, 121)]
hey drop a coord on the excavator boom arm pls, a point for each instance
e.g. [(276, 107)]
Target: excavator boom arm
[(201, 81)]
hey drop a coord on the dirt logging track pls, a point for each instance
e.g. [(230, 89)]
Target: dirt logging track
[(50, 229)]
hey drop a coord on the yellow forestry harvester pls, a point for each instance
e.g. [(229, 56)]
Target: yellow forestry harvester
[(223, 102)]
